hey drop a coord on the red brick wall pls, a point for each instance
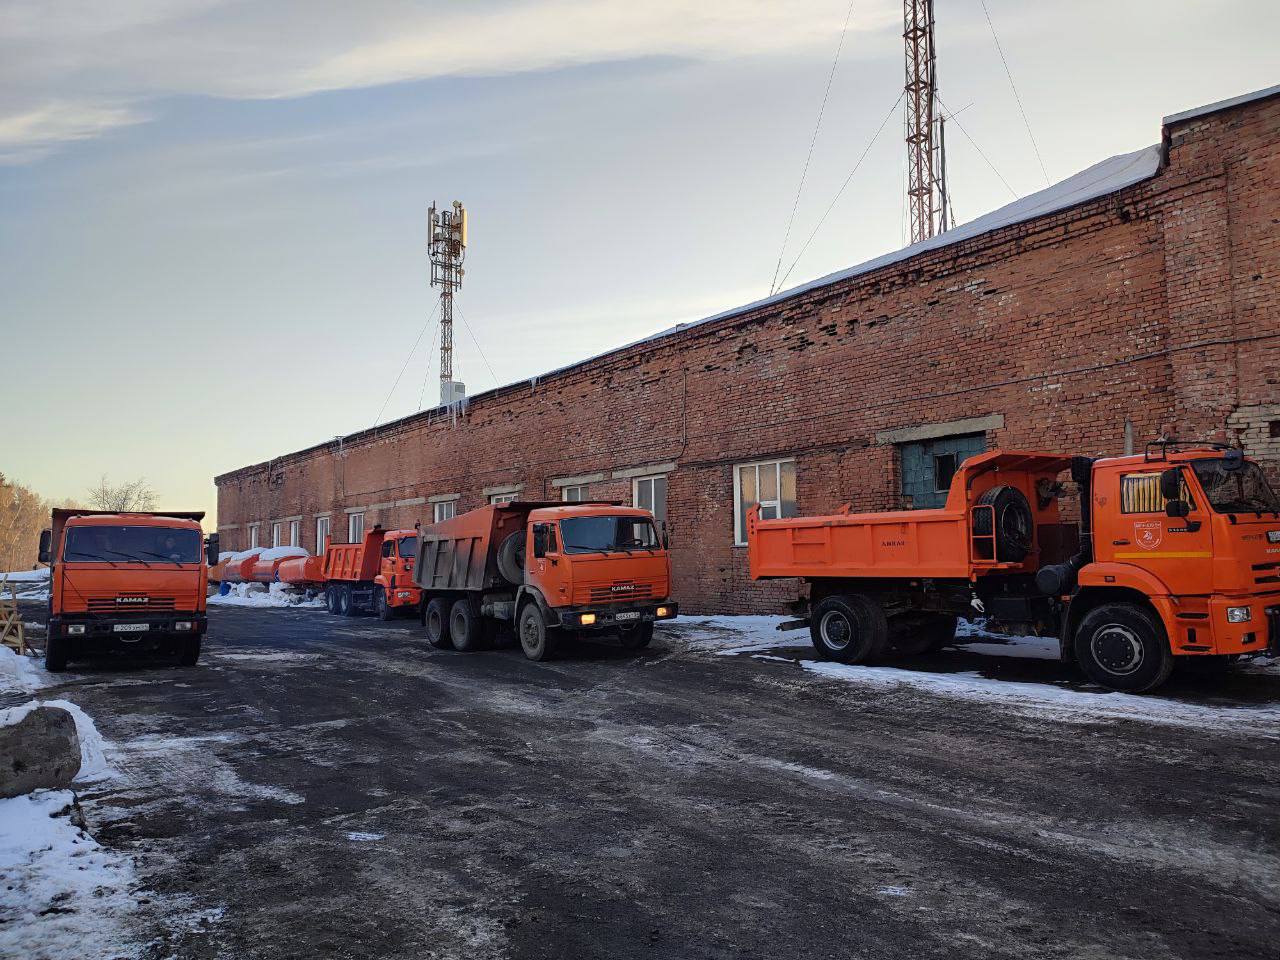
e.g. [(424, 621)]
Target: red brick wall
[(1156, 305)]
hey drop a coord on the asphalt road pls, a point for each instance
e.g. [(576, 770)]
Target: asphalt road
[(320, 787)]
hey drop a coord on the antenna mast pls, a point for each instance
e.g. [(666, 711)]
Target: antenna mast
[(926, 158), (447, 247)]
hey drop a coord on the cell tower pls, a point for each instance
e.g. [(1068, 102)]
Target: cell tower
[(926, 150), (447, 247)]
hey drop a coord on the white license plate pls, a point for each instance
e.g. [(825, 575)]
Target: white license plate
[(131, 627), (629, 616)]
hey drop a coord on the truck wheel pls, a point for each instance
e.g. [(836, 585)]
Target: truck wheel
[(189, 651), (913, 636), (380, 605), (466, 626), (1124, 647), (346, 608), (55, 654), (533, 634), (331, 599), (511, 558), (1013, 523), (849, 628), (436, 620), (637, 637)]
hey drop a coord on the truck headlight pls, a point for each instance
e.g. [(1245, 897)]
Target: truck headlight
[(1239, 614), (662, 611), (182, 625), (587, 619), (75, 628)]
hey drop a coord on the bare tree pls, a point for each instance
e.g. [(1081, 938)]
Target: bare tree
[(132, 496), (23, 514)]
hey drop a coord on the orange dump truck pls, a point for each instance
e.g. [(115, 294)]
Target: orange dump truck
[(1176, 555), (550, 569), (125, 581), (376, 574)]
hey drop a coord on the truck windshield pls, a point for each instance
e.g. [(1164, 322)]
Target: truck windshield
[(1240, 490), (109, 544), (605, 534), (409, 547)]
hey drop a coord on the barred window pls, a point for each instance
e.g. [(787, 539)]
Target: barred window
[(1140, 493)]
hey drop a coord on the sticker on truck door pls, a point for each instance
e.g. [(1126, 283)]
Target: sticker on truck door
[(1148, 533)]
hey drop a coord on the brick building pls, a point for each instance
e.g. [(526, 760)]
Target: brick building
[(1142, 292)]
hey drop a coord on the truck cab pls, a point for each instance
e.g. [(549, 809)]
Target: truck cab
[(125, 581), (397, 555)]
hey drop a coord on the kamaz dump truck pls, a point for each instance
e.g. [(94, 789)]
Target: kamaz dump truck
[(549, 569), (125, 581), (1176, 556)]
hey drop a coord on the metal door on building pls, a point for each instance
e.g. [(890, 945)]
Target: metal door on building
[(929, 465)]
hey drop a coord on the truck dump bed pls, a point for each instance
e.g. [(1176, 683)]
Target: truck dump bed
[(461, 553), (937, 543), (354, 562)]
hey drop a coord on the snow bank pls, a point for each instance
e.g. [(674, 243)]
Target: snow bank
[(281, 553), (20, 674), (27, 576), (65, 895), (258, 595), (93, 748)]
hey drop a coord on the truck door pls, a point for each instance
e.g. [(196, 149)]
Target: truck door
[(1178, 550)]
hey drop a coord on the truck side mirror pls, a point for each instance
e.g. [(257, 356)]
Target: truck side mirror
[(211, 549), (1171, 484), (46, 546), (1177, 508)]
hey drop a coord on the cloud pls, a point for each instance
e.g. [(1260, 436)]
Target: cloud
[(71, 70), (34, 133)]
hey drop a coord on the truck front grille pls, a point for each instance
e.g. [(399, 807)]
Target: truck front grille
[(114, 604), (1267, 572), (621, 592)]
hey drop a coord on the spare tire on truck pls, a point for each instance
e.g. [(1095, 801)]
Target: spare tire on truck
[(1013, 524), (511, 558)]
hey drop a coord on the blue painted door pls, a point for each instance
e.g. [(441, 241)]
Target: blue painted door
[(927, 467)]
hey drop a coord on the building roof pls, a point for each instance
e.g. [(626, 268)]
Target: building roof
[(1111, 175)]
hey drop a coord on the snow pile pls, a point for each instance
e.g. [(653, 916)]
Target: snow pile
[(65, 895), (93, 748), (729, 636), (19, 674), (281, 553), (27, 576), (259, 595), (28, 584)]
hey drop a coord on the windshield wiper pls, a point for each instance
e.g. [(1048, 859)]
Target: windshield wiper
[(160, 556)]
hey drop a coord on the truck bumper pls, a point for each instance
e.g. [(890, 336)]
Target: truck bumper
[(615, 615), (1211, 632), (87, 632)]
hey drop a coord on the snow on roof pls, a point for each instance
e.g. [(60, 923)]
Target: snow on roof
[(1221, 105)]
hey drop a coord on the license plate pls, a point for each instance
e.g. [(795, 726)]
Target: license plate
[(629, 616), (131, 627), (1273, 536)]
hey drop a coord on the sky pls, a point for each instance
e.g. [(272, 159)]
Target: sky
[(212, 212)]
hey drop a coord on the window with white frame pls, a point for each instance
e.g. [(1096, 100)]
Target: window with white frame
[(650, 493), (253, 535), (322, 533), (770, 483), (574, 494), (502, 498), (277, 531), (444, 510), (355, 528), (295, 533)]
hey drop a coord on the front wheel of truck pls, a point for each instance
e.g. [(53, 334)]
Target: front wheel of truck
[(849, 628), (1123, 646), (55, 654), (637, 637), (380, 605), (189, 651), (533, 634)]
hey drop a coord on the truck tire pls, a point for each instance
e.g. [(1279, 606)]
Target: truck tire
[(380, 605), (534, 639), (345, 608), (511, 558), (924, 633), (466, 626), (1123, 646), (637, 637), (189, 651), (331, 599), (849, 628), (1013, 523), (436, 621), (55, 654)]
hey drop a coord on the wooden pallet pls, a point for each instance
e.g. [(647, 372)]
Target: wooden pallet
[(11, 633)]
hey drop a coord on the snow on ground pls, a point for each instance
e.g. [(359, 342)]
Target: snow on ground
[(27, 576), (65, 895), (20, 674), (729, 636), (257, 595), (29, 584)]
